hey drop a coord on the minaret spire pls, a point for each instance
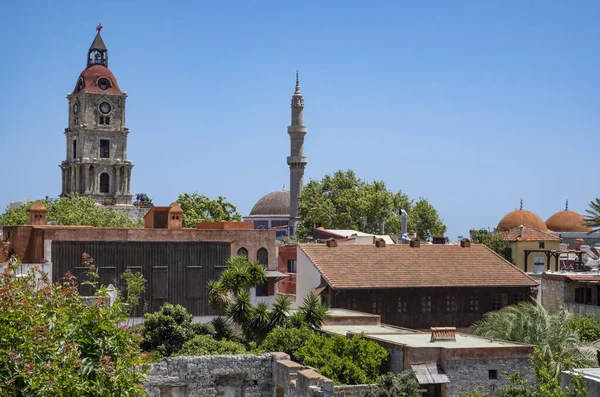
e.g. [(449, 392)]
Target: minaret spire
[(296, 160)]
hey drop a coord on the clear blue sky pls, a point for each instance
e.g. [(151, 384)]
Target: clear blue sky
[(473, 105)]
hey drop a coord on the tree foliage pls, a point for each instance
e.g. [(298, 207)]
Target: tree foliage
[(492, 240), (201, 345), (71, 210), (559, 347), (54, 344), (287, 340), (343, 201), (404, 384), (592, 217), (199, 208), (167, 330), (588, 328), (345, 361)]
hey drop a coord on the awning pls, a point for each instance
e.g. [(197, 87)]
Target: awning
[(430, 374), (276, 274)]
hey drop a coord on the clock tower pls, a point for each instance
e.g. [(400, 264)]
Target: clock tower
[(96, 163)]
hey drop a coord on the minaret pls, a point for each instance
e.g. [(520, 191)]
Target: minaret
[(296, 160)]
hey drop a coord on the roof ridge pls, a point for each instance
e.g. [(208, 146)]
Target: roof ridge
[(509, 263)]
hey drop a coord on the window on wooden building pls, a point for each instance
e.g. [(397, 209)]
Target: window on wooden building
[(402, 305), (450, 303), (518, 298), (496, 302), (291, 266), (474, 303), (426, 304), (377, 305), (351, 304)]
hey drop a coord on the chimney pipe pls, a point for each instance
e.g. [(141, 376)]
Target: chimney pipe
[(415, 243), (380, 243), (404, 229), (521, 231), (465, 243), (331, 243)]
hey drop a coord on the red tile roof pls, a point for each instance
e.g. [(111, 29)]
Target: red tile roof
[(401, 266), (530, 233)]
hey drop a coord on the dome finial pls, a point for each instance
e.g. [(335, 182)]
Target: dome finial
[(567, 205), (521, 207), (297, 83)]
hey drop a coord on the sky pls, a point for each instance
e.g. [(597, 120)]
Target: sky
[(473, 105)]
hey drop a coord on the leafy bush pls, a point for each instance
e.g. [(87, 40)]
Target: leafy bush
[(54, 344), (167, 330), (588, 328), (287, 340), (404, 384), (345, 361), (202, 345)]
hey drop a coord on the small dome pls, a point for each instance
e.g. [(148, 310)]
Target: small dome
[(522, 217), (38, 206), (91, 78), (567, 221), (275, 203)]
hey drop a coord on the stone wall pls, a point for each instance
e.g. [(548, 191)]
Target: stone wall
[(236, 375), (474, 375), (553, 294)]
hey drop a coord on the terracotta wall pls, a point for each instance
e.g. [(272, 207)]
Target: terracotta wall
[(287, 285)]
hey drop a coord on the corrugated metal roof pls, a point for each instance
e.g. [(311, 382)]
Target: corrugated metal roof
[(430, 374)]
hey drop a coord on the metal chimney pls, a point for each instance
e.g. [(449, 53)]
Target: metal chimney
[(404, 222)]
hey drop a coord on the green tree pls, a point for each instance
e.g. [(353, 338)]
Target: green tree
[(560, 348), (202, 345), (71, 210), (404, 384), (199, 208), (491, 239), (167, 330), (287, 340), (588, 328), (592, 218), (344, 201), (55, 344), (345, 361)]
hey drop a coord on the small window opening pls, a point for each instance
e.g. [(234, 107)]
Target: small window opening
[(493, 374), (104, 148), (291, 266), (542, 245), (103, 84), (75, 148)]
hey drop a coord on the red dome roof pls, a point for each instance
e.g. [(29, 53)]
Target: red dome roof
[(567, 221), (90, 77), (522, 217)]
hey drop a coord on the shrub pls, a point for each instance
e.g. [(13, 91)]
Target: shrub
[(404, 384), (167, 330), (286, 340), (202, 345), (588, 328), (54, 344), (345, 361)]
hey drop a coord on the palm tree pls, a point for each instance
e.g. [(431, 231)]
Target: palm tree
[(592, 219), (281, 311), (313, 311), (258, 324), (530, 323)]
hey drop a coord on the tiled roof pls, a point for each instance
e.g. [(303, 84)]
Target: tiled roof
[(529, 234), (401, 266)]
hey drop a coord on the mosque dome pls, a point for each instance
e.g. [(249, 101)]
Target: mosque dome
[(522, 217), (274, 203), (567, 221)]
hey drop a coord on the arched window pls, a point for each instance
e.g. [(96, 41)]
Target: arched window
[(242, 251), (104, 183), (262, 256)]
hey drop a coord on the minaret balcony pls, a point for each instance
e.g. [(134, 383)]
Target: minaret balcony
[(297, 160)]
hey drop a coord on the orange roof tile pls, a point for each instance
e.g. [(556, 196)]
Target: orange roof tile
[(401, 266), (530, 233)]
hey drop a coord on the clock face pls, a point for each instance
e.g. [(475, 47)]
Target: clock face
[(75, 108), (105, 107)]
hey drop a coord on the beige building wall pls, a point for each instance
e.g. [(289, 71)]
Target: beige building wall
[(518, 253)]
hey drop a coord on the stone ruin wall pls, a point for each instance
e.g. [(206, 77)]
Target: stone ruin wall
[(266, 375)]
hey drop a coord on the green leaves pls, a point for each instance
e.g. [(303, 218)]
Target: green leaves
[(199, 208), (492, 240), (343, 201), (404, 384), (205, 345)]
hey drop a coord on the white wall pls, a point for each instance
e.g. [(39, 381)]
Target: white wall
[(308, 276)]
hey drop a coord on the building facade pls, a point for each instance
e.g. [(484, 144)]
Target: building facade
[(96, 163)]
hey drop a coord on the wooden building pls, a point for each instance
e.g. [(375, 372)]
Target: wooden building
[(415, 286)]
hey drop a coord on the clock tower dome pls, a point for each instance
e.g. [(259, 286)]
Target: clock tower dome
[(96, 163)]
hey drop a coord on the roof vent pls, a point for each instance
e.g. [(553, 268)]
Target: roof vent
[(380, 243), (443, 334), (332, 242), (465, 243), (415, 243)]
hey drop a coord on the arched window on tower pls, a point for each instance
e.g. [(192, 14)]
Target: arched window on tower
[(104, 183), (262, 257), (242, 251)]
